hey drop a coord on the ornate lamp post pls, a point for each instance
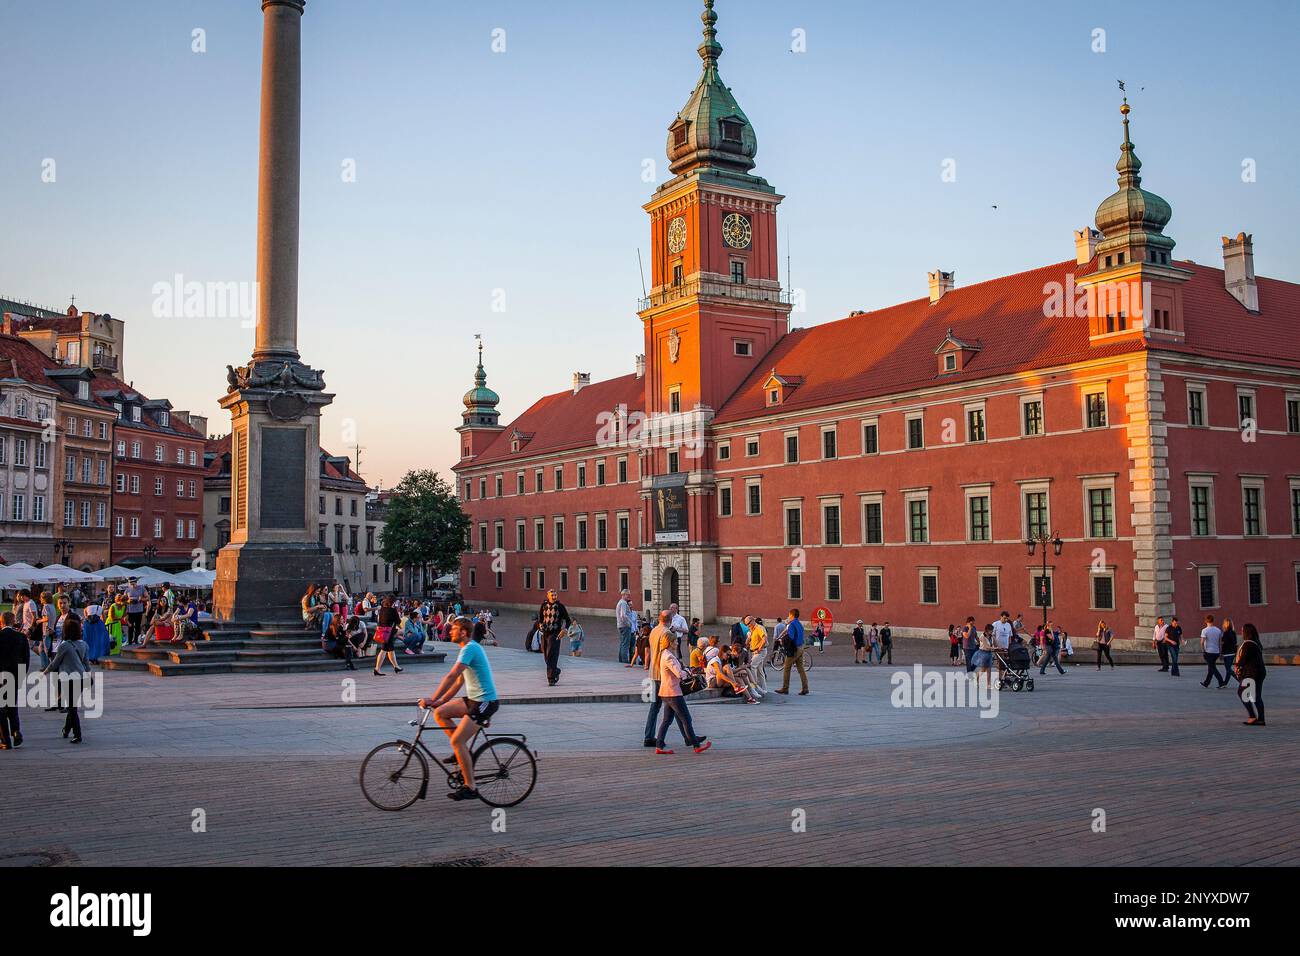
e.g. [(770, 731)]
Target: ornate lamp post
[(63, 550), (1044, 541), (149, 552)]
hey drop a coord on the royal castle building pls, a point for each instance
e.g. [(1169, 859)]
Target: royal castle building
[(1133, 415)]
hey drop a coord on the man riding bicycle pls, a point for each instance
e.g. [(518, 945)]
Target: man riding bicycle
[(475, 708)]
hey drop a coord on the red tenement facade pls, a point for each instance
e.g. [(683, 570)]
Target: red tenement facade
[(157, 481), (1141, 410)]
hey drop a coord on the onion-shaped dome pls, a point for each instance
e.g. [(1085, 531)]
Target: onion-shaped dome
[(1132, 216), (711, 129)]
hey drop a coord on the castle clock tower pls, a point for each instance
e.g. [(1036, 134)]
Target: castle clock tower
[(715, 309)]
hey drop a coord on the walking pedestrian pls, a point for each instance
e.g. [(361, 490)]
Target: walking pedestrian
[(1211, 649), (386, 635), (1250, 668), (660, 637), (15, 651), (1104, 636), (71, 663), (793, 647), (1051, 650), (873, 639), (982, 659), (1159, 643), (860, 642), (1228, 644), (886, 643), (1174, 638), (553, 618), (671, 673)]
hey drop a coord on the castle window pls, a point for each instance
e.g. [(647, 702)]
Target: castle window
[(677, 274), (743, 347), (679, 134), (731, 131), (738, 271)]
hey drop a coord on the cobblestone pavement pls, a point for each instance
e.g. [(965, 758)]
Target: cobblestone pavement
[(272, 762)]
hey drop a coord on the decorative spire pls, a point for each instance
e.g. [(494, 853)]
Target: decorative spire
[(480, 401), (1132, 219), (710, 49), (1129, 165), (711, 131)]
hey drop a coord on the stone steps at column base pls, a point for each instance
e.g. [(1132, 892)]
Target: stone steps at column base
[(258, 663)]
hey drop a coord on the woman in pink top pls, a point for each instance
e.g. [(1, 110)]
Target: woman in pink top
[(671, 672)]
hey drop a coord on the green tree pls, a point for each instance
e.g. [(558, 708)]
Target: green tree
[(424, 525)]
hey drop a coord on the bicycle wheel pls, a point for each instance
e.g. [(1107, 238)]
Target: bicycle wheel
[(394, 775), (504, 772), (776, 661), (807, 659)]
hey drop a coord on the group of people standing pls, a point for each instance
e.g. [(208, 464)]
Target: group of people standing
[(1242, 656)]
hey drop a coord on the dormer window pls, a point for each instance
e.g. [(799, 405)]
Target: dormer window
[(164, 419), (950, 362), (118, 406), (774, 396), (731, 131), (83, 391), (514, 445), (135, 413), (679, 134)]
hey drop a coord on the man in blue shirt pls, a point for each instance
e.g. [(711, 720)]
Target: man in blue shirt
[(473, 710), (793, 638)]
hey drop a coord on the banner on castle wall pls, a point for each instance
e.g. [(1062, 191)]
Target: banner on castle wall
[(670, 509)]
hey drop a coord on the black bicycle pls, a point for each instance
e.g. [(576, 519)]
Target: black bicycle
[(396, 774)]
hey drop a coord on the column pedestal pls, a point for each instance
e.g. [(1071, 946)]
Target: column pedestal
[(274, 550)]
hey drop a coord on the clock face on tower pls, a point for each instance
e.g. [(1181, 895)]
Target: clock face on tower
[(677, 235), (737, 231)]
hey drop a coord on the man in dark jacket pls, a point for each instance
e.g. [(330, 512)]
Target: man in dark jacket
[(14, 651), (552, 618)]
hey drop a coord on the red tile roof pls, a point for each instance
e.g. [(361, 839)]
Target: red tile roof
[(61, 325), (562, 421), (892, 350), (102, 384)]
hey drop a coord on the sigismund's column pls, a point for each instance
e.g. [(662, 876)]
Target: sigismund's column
[(275, 401)]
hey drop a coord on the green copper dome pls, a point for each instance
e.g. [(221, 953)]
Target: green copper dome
[(1131, 216), (480, 401), (711, 130)]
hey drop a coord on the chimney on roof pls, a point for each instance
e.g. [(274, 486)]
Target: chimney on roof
[(580, 381), (1239, 270), (640, 366), (941, 283), (1085, 245)]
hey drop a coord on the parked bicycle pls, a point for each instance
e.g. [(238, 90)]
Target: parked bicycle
[(396, 774), (776, 660)]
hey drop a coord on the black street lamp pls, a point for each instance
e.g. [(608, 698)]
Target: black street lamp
[(63, 550), (1043, 541), (149, 552)]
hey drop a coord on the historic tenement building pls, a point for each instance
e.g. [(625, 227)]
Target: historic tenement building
[(55, 461), (157, 479), (1138, 413)]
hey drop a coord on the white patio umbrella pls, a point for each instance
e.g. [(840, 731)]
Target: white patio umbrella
[(195, 578), (115, 573), (151, 577), (13, 578), (71, 575)]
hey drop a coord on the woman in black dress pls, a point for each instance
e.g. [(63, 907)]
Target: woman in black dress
[(1249, 665), (386, 636)]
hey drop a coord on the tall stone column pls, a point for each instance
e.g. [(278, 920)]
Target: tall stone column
[(275, 401), (279, 169)]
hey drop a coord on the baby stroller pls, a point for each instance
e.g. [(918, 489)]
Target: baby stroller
[(1015, 664)]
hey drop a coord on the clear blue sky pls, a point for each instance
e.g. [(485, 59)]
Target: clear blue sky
[(521, 171)]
